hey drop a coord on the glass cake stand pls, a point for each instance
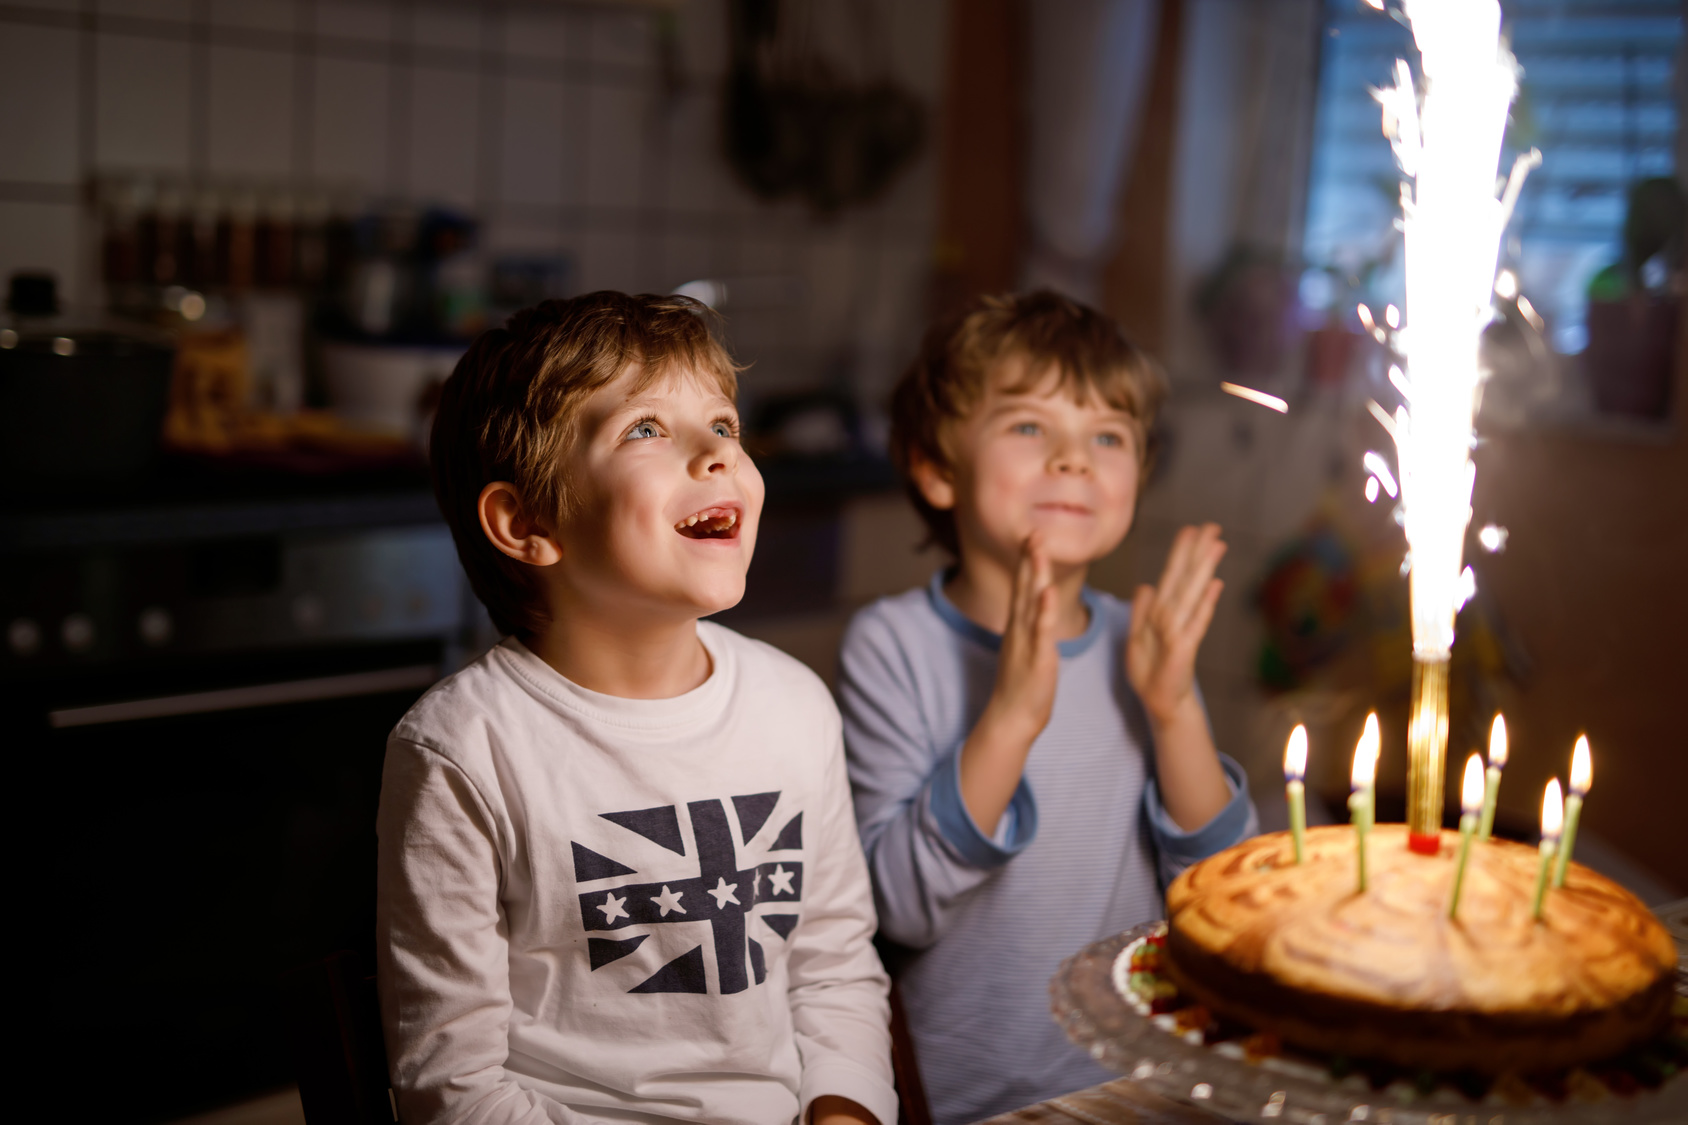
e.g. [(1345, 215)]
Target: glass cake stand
[(1221, 1078)]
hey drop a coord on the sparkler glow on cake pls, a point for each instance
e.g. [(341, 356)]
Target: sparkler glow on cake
[(1448, 146)]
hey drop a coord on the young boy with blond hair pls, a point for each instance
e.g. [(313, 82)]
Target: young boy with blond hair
[(1030, 758), (619, 876)]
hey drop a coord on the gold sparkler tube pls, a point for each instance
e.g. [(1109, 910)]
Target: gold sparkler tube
[(1427, 752)]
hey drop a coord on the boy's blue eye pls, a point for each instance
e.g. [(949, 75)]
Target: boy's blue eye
[(1030, 429), (722, 429), (1109, 439), (642, 430)]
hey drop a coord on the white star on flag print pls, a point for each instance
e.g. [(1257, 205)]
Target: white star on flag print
[(724, 893), (668, 900), (706, 894)]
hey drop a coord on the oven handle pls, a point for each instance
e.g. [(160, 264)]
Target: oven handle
[(256, 695)]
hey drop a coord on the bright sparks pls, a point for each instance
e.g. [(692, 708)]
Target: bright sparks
[(1582, 769), (1492, 538), (1365, 754), (1371, 490), (1552, 811), (1467, 588), (1506, 285), (1398, 379), (1530, 313), (1252, 395), (1449, 147), (1295, 754), (1497, 742), (1379, 468), (1471, 789)]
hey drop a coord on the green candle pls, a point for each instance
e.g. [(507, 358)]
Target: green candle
[(1360, 801), (1491, 788), (1582, 775), (1552, 816), (1295, 768), (1471, 799)]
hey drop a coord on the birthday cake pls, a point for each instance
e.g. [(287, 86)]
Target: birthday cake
[(1297, 951)]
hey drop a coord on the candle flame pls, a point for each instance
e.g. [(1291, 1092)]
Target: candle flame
[(1552, 811), (1582, 769), (1497, 742), (1365, 754), (1272, 402), (1295, 754), (1471, 789)]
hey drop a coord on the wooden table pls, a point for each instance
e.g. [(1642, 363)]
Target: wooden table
[(1120, 1102)]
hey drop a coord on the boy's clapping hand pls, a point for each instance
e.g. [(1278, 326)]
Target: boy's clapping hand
[(1168, 622), (1027, 666), (1029, 663)]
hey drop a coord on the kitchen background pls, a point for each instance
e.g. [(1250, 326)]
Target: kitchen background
[(300, 209)]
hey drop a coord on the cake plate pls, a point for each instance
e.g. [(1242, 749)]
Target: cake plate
[(1223, 1079)]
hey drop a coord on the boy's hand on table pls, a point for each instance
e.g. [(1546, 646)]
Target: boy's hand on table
[(830, 1109), (1027, 666), (1168, 622)]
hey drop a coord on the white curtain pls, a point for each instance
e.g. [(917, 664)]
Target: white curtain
[(1089, 76), (1247, 92)]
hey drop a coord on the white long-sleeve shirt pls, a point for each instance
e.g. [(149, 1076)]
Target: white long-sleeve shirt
[(602, 909)]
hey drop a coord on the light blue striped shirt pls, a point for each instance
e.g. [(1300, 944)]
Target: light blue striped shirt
[(1084, 853)]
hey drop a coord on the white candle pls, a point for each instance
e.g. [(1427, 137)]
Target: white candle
[(1362, 779), (1552, 817), (1295, 768), (1582, 776), (1470, 801), (1497, 762)]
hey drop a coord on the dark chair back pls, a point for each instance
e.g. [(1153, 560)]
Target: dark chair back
[(911, 1095), (334, 1024)]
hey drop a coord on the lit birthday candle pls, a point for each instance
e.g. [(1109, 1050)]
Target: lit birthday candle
[(1470, 800), (1552, 816), (1497, 762), (1362, 779), (1582, 775), (1295, 768)]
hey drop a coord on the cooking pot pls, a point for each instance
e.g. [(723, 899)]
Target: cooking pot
[(82, 401)]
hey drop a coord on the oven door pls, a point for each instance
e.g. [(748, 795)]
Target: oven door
[(182, 835)]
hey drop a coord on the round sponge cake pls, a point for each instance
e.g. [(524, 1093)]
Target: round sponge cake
[(1296, 950)]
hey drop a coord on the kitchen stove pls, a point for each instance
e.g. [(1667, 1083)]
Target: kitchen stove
[(195, 689)]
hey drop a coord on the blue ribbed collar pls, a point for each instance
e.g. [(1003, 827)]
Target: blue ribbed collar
[(977, 633)]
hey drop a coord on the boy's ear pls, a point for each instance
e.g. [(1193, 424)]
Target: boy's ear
[(937, 485), (507, 525)]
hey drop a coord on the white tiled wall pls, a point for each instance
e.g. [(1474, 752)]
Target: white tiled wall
[(549, 120)]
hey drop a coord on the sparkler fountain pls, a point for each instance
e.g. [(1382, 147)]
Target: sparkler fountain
[(1448, 147)]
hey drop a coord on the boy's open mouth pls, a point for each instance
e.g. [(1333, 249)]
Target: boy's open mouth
[(711, 523)]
